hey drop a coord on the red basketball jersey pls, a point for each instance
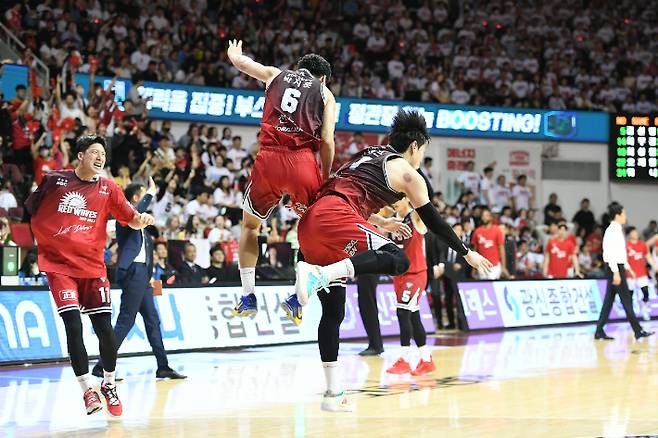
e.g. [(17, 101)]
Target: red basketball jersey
[(637, 253), (69, 221), (414, 247), (293, 111), (363, 183), (559, 253), (487, 241)]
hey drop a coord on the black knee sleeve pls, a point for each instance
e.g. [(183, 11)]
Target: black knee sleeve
[(404, 318), (107, 343), (75, 343), (333, 313), (389, 259), (645, 294), (420, 336)]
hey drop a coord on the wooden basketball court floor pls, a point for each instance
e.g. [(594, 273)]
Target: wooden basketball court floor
[(549, 382)]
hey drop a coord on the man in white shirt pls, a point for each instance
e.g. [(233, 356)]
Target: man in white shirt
[(194, 205), (236, 153), (521, 194), (7, 198), (140, 57), (487, 185), (469, 180), (500, 195), (616, 264)]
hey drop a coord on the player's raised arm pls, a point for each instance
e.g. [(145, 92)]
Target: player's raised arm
[(248, 66), (328, 144), (404, 178)]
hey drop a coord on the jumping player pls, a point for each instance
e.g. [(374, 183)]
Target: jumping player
[(638, 257), (338, 241), (70, 210), (409, 289), (299, 117)]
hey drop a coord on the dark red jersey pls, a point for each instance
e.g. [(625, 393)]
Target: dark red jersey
[(293, 111), (363, 182), (414, 247), (69, 221)]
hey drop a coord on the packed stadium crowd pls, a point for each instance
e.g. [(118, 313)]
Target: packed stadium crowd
[(464, 54), (583, 55)]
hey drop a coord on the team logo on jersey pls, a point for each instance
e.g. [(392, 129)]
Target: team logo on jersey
[(558, 252), (350, 248), (635, 255), (486, 243), (62, 182), (104, 190), (75, 203), (67, 295)]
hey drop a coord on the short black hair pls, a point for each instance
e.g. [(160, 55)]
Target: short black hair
[(630, 229), (20, 87), (585, 200), (488, 169), (518, 178), (84, 142), (216, 247), (562, 225), (427, 160), (316, 65), (407, 127), (614, 210), (131, 190)]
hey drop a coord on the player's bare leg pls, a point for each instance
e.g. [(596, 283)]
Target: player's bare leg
[(250, 228)]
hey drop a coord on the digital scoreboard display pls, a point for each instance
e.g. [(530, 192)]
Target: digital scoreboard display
[(633, 153)]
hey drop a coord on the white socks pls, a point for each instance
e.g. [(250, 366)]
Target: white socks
[(108, 377), (341, 269), (248, 279), (404, 354), (331, 377), (83, 380), (425, 353)]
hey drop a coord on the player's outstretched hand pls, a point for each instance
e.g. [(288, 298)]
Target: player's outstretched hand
[(141, 220), (477, 261), (234, 49), (396, 225)]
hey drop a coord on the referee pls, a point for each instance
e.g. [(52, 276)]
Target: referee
[(616, 263)]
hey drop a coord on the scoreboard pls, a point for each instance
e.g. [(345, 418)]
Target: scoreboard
[(633, 153)]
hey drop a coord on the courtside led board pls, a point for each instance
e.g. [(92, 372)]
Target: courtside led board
[(633, 153)]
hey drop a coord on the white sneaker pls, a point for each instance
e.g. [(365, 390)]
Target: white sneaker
[(336, 403), (646, 312), (310, 279)]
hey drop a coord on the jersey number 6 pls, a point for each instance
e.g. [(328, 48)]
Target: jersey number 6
[(289, 101)]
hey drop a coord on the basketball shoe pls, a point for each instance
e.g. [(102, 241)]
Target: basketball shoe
[(112, 399), (293, 309), (400, 366), (92, 401), (424, 368), (336, 402), (310, 279), (247, 306), (646, 311)]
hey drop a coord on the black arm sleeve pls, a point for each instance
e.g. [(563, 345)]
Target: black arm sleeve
[(441, 228)]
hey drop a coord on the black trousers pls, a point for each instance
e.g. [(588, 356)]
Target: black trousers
[(367, 285), (137, 297), (625, 296), (449, 290)]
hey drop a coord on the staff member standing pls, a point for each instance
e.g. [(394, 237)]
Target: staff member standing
[(134, 270), (616, 264)]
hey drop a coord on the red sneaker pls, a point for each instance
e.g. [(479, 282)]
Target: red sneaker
[(92, 401), (424, 368), (113, 403), (401, 366)]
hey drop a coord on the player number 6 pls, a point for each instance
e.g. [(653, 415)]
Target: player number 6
[(289, 100)]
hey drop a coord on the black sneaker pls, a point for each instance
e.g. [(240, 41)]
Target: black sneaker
[(371, 351), (168, 373)]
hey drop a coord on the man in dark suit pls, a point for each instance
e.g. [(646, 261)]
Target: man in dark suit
[(367, 291), (189, 273), (134, 270), (219, 271), (450, 270)]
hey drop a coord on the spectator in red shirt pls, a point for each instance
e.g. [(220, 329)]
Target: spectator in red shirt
[(489, 241), (595, 240), (44, 159), (560, 255)]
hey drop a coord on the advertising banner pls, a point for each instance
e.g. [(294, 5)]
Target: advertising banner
[(245, 107), (190, 318), (520, 303)]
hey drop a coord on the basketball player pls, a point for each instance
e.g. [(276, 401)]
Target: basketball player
[(299, 118), (336, 236), (561, 254), (489, 240), (69, 213), (409, 288), (638, 257)]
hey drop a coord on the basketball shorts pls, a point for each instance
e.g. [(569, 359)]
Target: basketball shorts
[(89, 295), (331, 231), (280, 171), (409, 288), (637, 283)]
